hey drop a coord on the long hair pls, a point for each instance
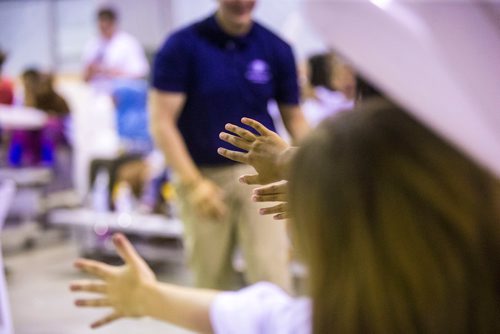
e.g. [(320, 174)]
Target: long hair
[(39, 93), (320, 70), (401, 231)]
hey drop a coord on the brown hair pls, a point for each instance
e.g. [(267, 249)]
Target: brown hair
[(40, 93), (400, 230), (320, 70), (108, 14)]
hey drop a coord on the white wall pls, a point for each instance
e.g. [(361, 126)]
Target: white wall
[(25, 34), (73, 26)]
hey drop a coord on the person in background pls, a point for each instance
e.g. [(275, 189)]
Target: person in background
[(344, 79), (39, 92), (114, 55), (398, 229), (148, 181), (215, 71), (328, 86), (31, 147), (116, 67)]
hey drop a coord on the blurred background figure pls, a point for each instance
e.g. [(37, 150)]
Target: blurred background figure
[(114, 54), (116, 65), (328, 86), (34, 147), (343, 77), (116, 68)]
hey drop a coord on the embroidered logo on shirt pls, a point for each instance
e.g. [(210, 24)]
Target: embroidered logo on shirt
[(258, 72)]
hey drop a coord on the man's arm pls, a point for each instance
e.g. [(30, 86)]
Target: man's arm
[(165, 108), (294, 121)]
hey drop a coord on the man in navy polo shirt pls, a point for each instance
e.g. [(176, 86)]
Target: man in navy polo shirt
[(210, 73)]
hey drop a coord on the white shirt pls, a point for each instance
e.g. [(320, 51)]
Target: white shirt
[(122, 52), (262, 308), (326, 104)]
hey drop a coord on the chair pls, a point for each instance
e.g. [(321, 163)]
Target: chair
[(7, 191), (130, 97)]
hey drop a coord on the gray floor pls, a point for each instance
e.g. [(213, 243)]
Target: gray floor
[(42, 304)]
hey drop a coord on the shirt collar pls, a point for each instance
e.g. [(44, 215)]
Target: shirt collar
[(213, 31)]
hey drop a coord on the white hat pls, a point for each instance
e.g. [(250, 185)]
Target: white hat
[(438, 59)]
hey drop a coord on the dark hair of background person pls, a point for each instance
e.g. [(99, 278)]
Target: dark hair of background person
[(320, 70), (399, 229), (40, 93), (107, 13), (112, 167), (31, 74), (31, 81)]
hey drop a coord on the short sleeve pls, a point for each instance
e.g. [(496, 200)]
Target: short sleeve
[(262, 308), (287, 85), (171, 65)]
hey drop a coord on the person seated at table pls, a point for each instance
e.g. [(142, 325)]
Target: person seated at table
[(32, 147), (135, 183), (399, 231)]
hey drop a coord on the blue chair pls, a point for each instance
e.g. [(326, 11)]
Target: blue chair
[(130, 97)]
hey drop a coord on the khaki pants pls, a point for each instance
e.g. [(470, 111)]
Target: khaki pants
[(210, 244)]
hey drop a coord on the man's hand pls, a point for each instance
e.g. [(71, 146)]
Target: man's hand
[(121, 288), (264, 152), (276, 192), (207, 198)]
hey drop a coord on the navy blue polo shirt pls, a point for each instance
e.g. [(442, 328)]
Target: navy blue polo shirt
[(224, 78)]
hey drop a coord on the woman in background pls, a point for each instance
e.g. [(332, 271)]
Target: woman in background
[(399, 230), (33, 147), (328, 86)]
